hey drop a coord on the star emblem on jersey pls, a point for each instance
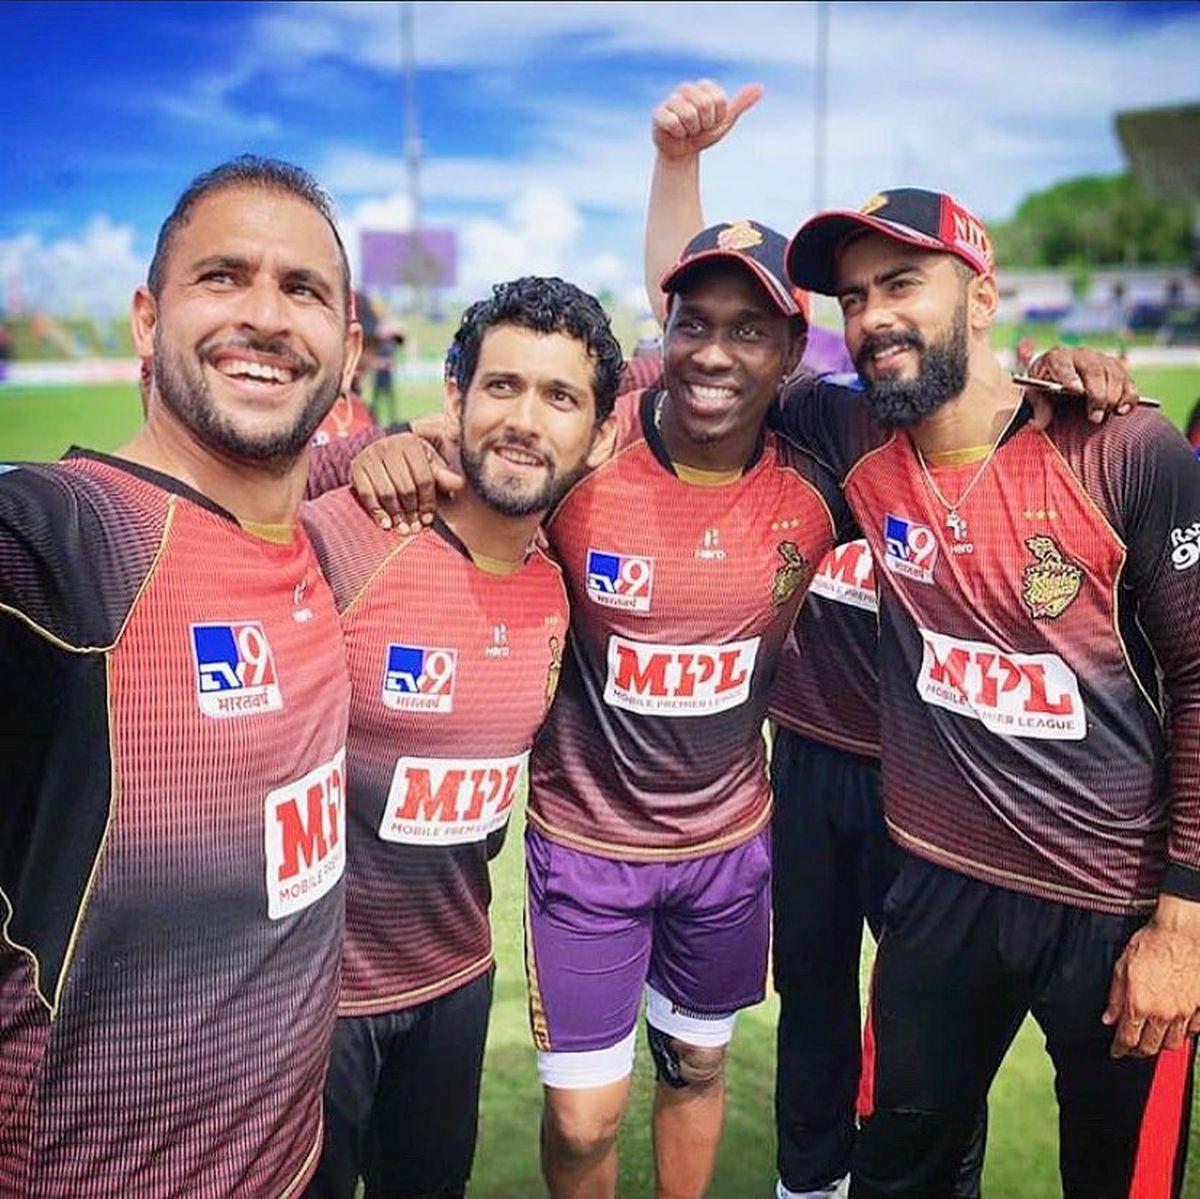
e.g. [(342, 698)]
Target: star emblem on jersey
[(740, 235), (1051, 582), (790, 575)]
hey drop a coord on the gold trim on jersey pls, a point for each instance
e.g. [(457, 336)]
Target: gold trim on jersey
[(310, 1157), (494, 566), (624, 853), (963, 457), (698, 477), (369, 581), (275, 532), (1033, 885), (24, 949), (538, 1024), (401, 999)]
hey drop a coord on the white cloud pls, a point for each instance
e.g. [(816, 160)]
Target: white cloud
[(93, 274)]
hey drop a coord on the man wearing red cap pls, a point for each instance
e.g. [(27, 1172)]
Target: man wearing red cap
[(1035, 632)]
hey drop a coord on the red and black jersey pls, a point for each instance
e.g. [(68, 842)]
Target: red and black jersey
[(174, 709), (681, 598), (827, 686), (1021, 657), (452, 670)]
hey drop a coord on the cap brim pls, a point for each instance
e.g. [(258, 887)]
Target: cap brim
[(812, 253), (782, 298)]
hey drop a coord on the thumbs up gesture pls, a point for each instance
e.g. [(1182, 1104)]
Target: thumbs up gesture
[(697, 115)]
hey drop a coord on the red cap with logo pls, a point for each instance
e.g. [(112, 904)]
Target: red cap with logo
[(929, 220)]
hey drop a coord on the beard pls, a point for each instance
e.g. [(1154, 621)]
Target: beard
[(941, 373), (507, 496), (185, 392)]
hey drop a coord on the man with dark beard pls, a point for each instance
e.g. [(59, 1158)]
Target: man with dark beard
[(174, 704), (455, 638), (1037, 629)]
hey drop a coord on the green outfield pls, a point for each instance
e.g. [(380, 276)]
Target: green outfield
[(1021, 1161)]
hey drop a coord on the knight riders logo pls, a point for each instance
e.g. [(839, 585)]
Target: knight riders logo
[(554, 669), (790, 575), (740, 235), (1051, 582)]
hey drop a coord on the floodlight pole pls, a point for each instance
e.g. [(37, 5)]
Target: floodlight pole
[(822, 102), (417, 268)]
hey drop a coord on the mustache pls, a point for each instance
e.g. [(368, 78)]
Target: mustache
[(876, 342), (274, 347), (517, 441)]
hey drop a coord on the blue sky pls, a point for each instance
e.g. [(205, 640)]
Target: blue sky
[(534, 116)]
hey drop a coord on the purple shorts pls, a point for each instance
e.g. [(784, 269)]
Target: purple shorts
[(598, 931)]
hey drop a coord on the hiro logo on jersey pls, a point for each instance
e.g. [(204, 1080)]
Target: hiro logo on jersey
[(679, 680), (1012, 695), (417, 679), (450, 801), (235, 670), (306, 838), (847, 576), (910, 549), (620, 580)]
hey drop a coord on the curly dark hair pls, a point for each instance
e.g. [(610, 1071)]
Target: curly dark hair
[(247, 170), (544, 305)]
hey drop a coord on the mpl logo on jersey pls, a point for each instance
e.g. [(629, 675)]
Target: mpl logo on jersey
[(909, 549), (419, 679), (622, 581), (450, 801), (1013, 695), (235, 670), (306, 838), (847, 576), (679, 680)]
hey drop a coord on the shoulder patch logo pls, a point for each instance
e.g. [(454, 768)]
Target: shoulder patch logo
[(739, 235), (1051, 582), (792, 574)]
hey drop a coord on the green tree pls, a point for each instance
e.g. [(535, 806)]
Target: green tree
[(1094, 221)]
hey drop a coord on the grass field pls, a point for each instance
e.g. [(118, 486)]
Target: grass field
[(1022, 1146)]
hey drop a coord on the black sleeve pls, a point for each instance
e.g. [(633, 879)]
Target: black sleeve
[(1158, 494), (72, 557), (828, 417)]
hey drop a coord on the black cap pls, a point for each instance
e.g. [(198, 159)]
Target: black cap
[(755, 246), (930, 220)]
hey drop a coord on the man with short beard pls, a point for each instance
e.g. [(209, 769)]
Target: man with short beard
[(1040, 667), (455, 638), (175, 705)]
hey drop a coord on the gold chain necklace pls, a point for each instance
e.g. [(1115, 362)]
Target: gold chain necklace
[(955, 523)]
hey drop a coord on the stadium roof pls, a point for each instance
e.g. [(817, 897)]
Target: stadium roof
[(1163, 149)]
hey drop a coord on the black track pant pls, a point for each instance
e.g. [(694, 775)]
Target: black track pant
[(402, 1099), (833, 866), (960, 963)]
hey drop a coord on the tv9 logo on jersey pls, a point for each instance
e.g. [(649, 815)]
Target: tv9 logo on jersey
[(909, 549), (419, 679), (235, 669), (622, 581)]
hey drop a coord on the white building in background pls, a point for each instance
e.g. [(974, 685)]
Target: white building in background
[(1116, 290)]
